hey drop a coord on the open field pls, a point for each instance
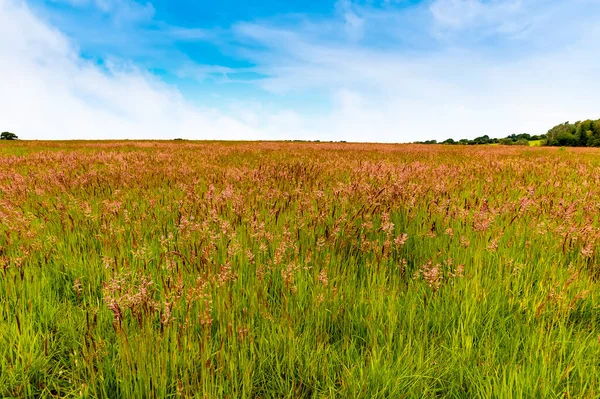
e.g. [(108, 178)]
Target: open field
[(298, 270), (536, 143)]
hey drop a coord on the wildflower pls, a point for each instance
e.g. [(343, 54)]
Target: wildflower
[(465, 242), (432, 275), (588, 250), (77, 287), (401, 240), (493, 245), (323, 278), (166, 317), (205, 319), (320, 298), (460, 271), (242, 333)]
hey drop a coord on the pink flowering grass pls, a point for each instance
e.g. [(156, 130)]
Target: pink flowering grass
[(298, 270)]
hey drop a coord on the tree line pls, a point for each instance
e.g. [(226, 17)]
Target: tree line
[(579, 134), (513, 139)]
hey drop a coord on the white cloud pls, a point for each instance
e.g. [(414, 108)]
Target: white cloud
[(458, 14), (353, 24), (50, 92), (457, 88)]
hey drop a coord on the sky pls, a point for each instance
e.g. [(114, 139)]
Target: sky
[(364, 70)]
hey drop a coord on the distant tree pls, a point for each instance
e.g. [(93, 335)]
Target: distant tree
[(594, 137), (562, 135), (485, 139), (449, 141), (8, 136), (583, 132), (426, 142)]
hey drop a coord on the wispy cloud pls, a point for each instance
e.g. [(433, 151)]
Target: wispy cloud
[(387, 71), (463, 14), (119, 10), (505, 81), (353, 24), (56, 94)]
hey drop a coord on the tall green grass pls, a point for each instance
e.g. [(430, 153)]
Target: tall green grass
[(274, 270)]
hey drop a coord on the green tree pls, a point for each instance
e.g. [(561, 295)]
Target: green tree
[(8, 136), (485, 139), (562, 135), (581, 132), (593, 139)]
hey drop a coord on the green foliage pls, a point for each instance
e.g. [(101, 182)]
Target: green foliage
[(579, 134), (513, 139), (8, 136), (522, 141)]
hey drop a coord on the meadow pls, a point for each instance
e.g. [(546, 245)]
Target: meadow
[(298, 270)]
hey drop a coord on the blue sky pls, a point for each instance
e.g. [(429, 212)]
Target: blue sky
[(376, 70)]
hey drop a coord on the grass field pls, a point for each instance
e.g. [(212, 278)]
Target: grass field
[(536, 143), (298, 270)]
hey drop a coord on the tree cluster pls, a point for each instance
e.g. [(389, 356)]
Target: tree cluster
[(579, 134), (8, 136)]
